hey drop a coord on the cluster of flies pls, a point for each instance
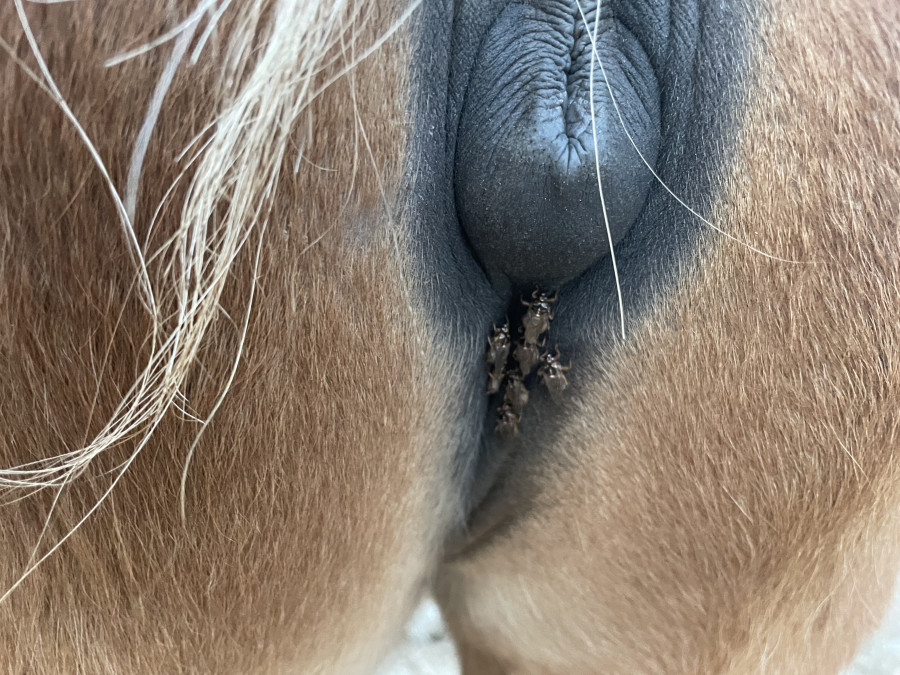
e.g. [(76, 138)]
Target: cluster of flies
[(512, 369)]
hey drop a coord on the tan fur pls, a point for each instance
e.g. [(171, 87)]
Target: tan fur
[(313, 495), (733, 508), (723, 500)]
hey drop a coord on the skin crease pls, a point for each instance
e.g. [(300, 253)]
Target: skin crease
[(720, 493)]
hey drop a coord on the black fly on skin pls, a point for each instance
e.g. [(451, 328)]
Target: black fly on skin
[(552, 373), (507, 421), (515, 370), (538, 315), (497, 356), (516, 392)]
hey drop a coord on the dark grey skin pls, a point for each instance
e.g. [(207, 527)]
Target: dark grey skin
[(503, 185), (526, 164)]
